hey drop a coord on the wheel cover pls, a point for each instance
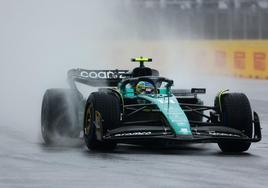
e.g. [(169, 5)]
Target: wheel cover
[(98, 125), (88, 125)]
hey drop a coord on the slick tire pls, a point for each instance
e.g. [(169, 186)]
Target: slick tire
[(235, 113), (59, 115), (101, 114)]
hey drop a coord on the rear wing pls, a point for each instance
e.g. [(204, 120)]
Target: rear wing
[(96, 78)]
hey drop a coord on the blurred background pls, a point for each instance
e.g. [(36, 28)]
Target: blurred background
[(220, 36), (205, 19)]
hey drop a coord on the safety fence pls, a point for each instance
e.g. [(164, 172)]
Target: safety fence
[(244, 58)]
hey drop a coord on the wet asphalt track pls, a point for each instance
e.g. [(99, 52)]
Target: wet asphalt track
[(26, 162)]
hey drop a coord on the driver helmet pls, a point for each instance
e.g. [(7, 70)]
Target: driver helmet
[(144, 87)]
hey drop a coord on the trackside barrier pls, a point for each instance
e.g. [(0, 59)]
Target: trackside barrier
[(244, 58), (247, 58)]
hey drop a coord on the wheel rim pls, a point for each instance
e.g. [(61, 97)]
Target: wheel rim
[(88, 125)]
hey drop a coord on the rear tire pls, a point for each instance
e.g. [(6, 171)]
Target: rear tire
[(105, 106), (59, 116), (236, 113)]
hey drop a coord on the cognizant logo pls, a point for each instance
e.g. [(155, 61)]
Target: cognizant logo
[(102, 74)]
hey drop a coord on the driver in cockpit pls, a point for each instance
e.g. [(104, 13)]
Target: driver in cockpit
[(144, 88)]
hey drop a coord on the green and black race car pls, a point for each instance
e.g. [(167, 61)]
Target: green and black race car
[(140, 107)]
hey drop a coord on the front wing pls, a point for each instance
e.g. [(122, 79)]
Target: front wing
[(200, 134)]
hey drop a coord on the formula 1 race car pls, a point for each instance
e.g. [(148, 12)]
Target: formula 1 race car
[(140, 107)]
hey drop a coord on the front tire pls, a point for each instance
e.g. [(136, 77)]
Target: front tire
[(102, 114), (235, 113)]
